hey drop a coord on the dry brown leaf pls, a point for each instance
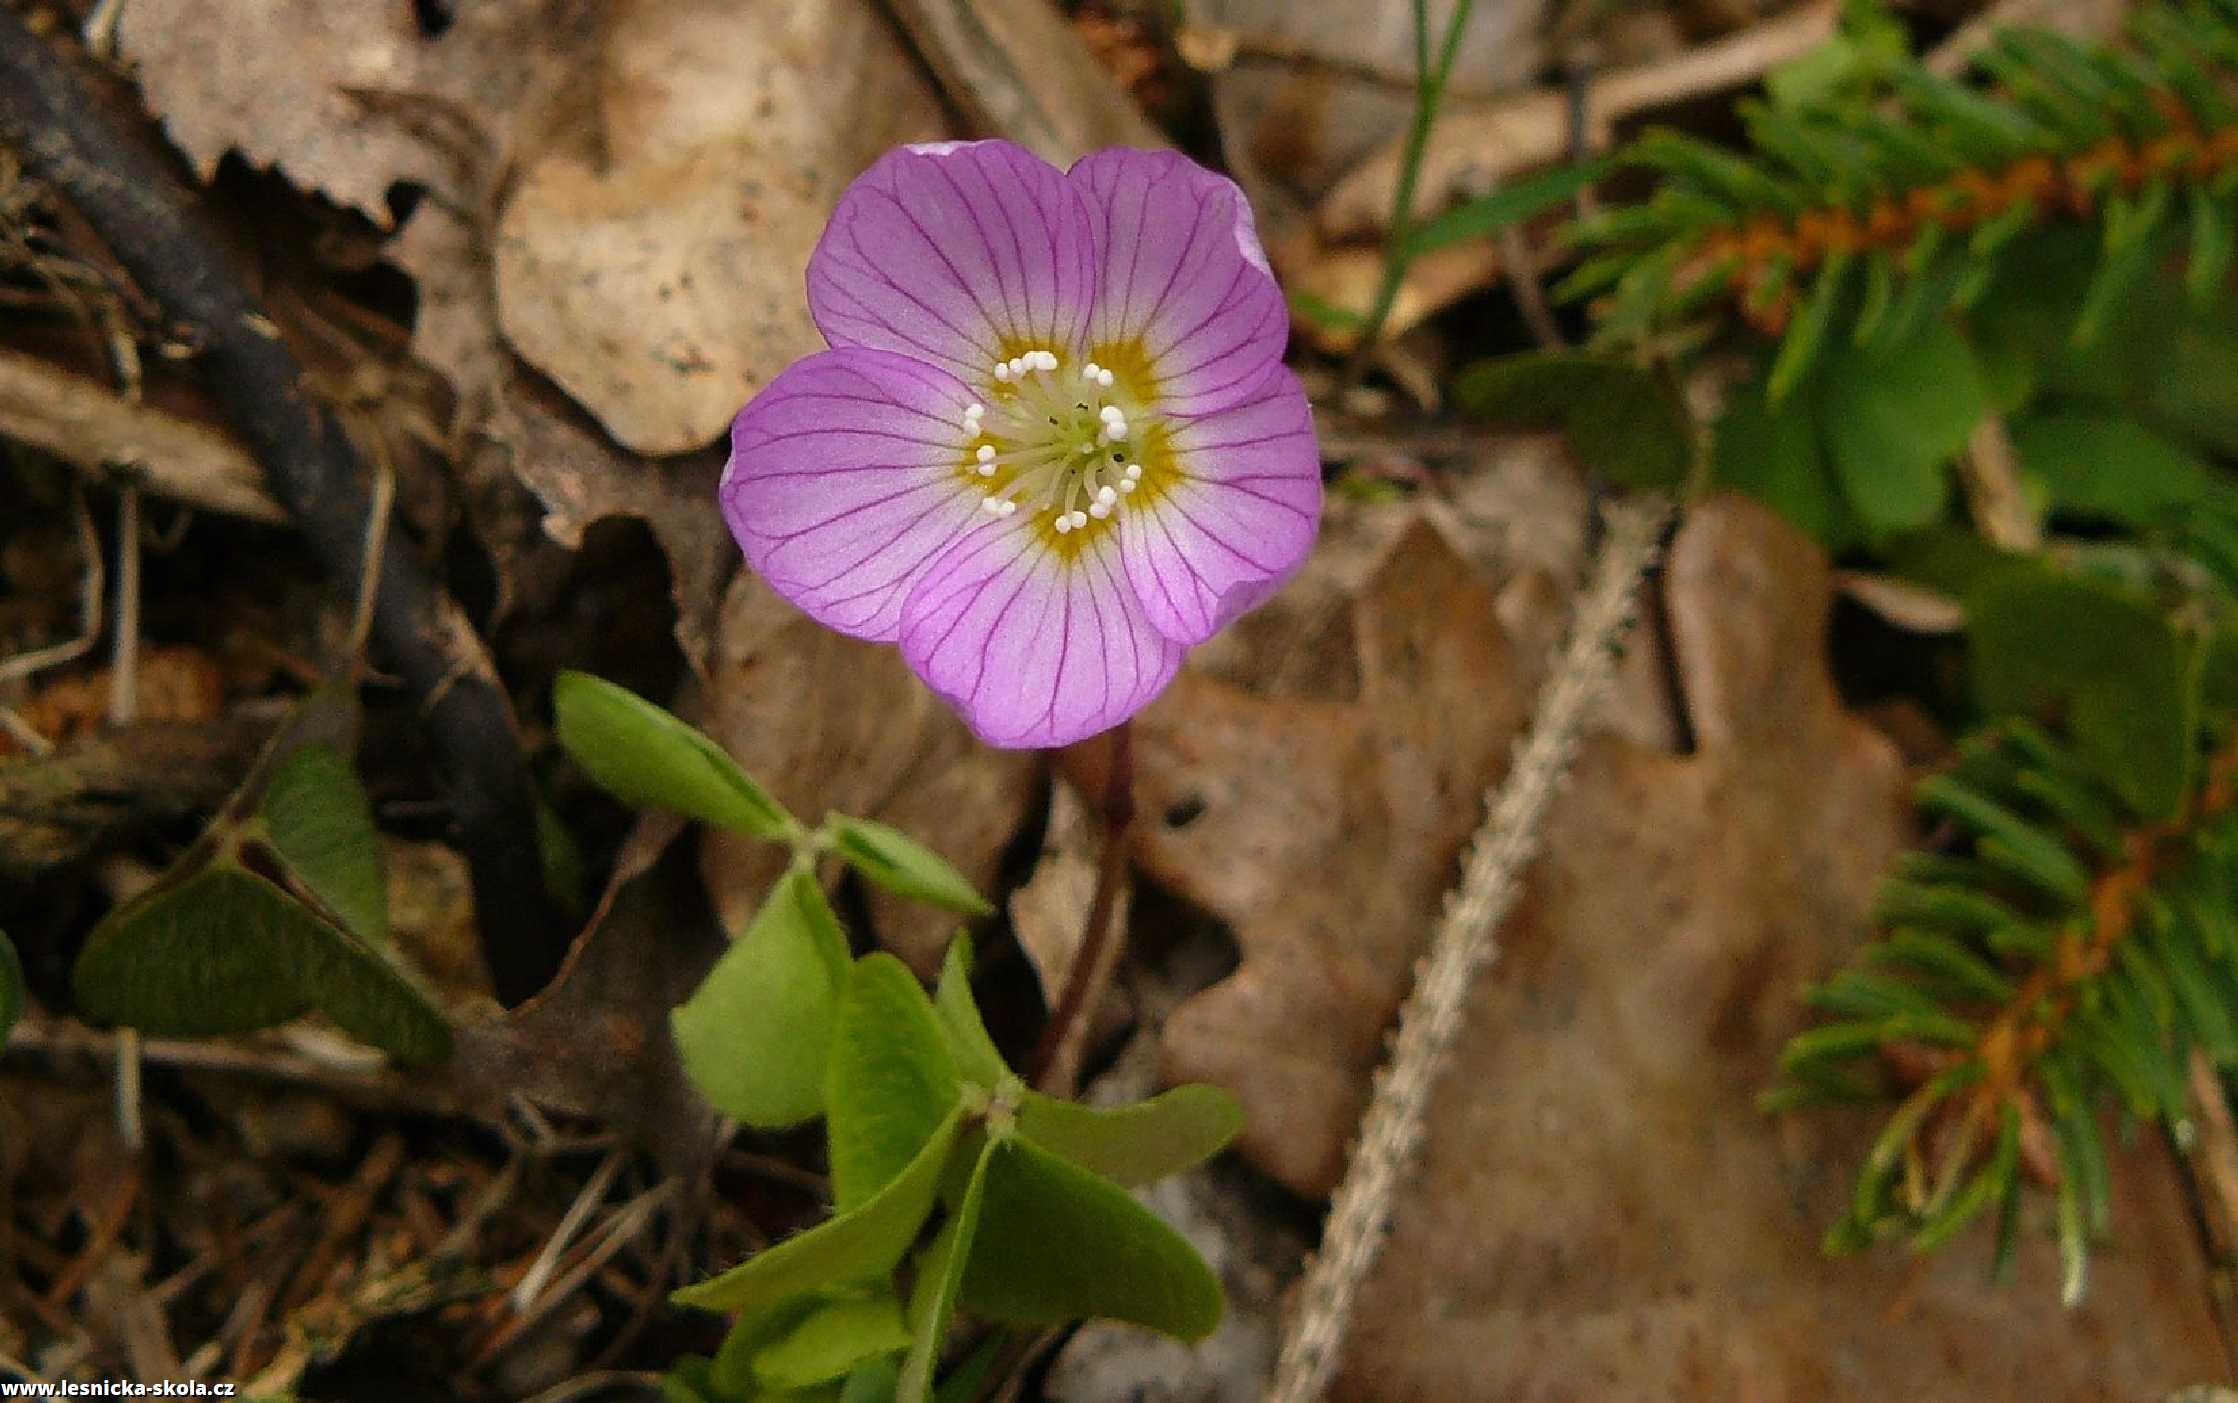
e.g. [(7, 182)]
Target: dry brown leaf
[(353, 99), (656, 273), (1324, 831), (829, 722), (1602, 1212)]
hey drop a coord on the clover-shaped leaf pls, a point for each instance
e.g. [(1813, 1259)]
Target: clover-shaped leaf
[(647, 756), (978, 1060), (1622, 421), (1137, 1144), (902, 865), (860, 1246), (754, 1035), (890, 1080), (274, 912), (831, 1341), (315, 813), (223, 949), (1057, 1244), (2046, 639)]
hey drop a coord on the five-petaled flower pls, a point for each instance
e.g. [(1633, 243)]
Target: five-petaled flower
[(1053, 444)]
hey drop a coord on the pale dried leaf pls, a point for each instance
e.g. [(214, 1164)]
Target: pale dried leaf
[(657, 274), (351, 100)]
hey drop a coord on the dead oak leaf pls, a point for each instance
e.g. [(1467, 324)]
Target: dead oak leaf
[(1601, 1211), (352, 100), (1324, 831), (655, 274)]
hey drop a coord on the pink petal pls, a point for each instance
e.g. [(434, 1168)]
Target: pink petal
[(959, 254), (1181, 269), (846, 478), (1034, 648), (1236, 515)]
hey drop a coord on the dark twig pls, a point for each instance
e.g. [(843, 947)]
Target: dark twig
[(1056, 1062), (132, 203)]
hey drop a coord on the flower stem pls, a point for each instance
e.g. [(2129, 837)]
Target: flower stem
[(1429, 92), (1056, 1061)]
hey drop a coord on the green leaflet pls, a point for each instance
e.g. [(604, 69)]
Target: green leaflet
[(2108, 466), (1894, 420), (1056, 1243), (831, 1340), (1623, 422), (1137, 1144), (646, 756), (223, 950), (900, 863), (978, 1060), (2046, 640), (754, 1035), (890, 1082), (316, 816), (862, 1245), (1775, 456)]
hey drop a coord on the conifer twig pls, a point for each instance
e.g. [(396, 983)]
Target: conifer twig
[(1391, 1133)]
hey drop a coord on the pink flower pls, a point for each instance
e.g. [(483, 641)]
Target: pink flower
[(1053, 444)]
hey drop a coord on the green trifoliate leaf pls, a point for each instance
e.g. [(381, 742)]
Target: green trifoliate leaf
[(316, 815), (901, 864), (220, 949), (890, 1082), (11, 986), (1136, 1144), (861, 1246), (978, 1060), (874, 1381), (831, 1340), (1622, 421), (1057, 1244), (646, 756), (1894, 421), (2045, 641), (2108, 466), (940, 1280), (755, 1035), (731, 1373), (1774, 455)]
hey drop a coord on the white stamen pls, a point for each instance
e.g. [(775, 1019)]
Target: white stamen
[(1099, 510), (986, 453), (1064, 525), (1129, 484), (1134, 472), (986, 469), (1107, 494), (1103, 378), (1002, 370)]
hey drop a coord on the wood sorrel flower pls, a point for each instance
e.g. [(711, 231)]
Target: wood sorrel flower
[(1053, 444)]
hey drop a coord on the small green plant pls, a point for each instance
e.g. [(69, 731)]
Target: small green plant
[(279, 908), (956, 1187)]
